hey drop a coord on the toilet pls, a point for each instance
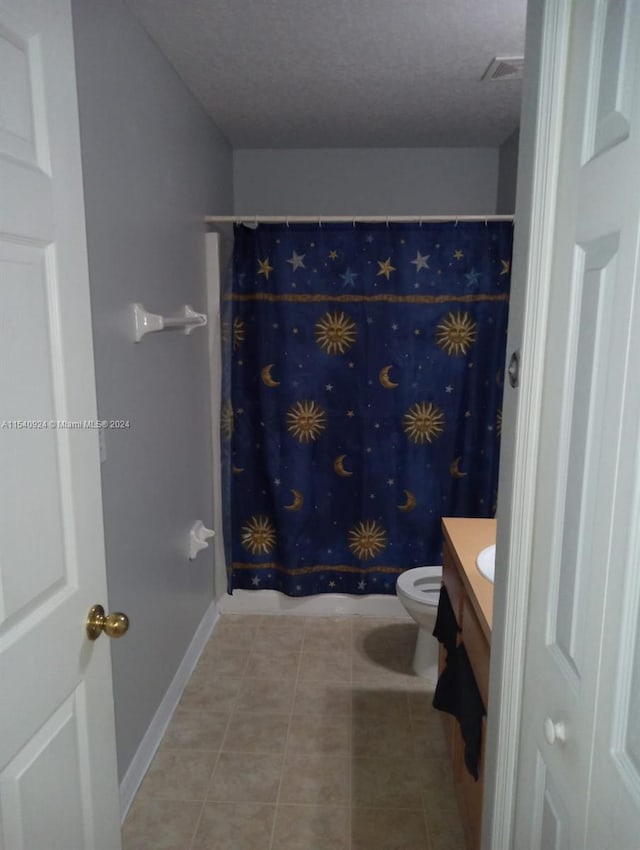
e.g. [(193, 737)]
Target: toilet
[(419, 591)]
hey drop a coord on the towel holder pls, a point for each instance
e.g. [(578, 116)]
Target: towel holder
[(146, 322)]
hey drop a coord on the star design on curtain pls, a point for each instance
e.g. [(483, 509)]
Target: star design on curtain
[(297, 261), (386, 268), (472, 277), (349, 278), (265, 268), (421, 261)]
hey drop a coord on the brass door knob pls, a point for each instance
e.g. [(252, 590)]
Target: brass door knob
[(113, 625)]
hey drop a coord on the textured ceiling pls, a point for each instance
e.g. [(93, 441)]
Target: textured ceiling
[(345, 73)]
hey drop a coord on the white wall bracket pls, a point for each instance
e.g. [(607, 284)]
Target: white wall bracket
[(146, 322), (198, 536)]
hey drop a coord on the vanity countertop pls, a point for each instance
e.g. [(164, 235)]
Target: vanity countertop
[(466, 538)]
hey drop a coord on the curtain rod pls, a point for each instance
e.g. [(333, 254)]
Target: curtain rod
[(299, 219)]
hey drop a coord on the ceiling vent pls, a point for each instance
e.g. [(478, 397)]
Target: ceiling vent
[(505, 68)]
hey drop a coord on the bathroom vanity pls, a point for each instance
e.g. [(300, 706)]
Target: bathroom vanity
[(471, 597)]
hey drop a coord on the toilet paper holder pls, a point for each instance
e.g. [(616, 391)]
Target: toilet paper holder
[(198, 536)]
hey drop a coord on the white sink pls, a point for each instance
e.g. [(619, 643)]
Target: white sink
[(486, 562)]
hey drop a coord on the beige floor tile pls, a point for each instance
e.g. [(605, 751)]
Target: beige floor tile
[(275, 623), (382, 737), (234, 826), (386, 783), (396, 635), (250, 620), (311, 828), (323, 780), (421, 704), (322, 698), (436, 773), (160, 825), (178, 774), (331, 624), (392, 762), (246, 778), (196, 730), (430, 738), (266, 696), (280, 639), (438, 787), (368, 624), (207, 692), (282, 621), (327, 635), (390, 671), (317, 734), (372, 662), (440, 803), (371, 700), (267, 664), (325, 666), (222, 661), (255, 733), (446, 830), (386, 660), (233, 634), (388, 829)]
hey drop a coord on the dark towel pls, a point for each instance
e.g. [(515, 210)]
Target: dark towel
[(446, 627), (457, 692), (446, 631), (470, 712)]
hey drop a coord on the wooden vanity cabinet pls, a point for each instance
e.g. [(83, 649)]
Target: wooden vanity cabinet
[(477, 644)]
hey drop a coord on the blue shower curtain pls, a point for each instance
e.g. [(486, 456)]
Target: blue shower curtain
[(362, 397)]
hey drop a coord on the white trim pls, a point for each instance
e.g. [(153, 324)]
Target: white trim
[(158, 726), (547, 40), (216, 248), (322, 605), (348, 219)]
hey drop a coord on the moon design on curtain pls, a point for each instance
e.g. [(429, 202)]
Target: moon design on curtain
[(362, 397)]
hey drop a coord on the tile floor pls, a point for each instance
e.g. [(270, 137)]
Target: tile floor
[(301, 734)]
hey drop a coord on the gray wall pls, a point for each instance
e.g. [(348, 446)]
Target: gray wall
[(153, 165), (508, 174), (412, 181)]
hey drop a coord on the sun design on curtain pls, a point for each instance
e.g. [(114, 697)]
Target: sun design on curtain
[(335, 333), (258, 535), (456, 333), (362, 398), (423, 422), (367, 539), (306, 420)]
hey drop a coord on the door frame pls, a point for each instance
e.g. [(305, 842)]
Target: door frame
[(548, 24)]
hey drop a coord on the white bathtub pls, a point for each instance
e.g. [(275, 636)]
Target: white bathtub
[(322, 605)]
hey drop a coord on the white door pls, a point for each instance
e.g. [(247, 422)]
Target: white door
[(58, 781), (579, 762)]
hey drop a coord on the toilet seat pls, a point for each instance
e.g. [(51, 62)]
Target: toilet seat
[(421, 584)]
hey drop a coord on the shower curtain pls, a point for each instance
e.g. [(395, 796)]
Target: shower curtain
[(361, 399)]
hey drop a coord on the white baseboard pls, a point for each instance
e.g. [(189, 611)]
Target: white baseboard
[(158, 726), (321, 605)]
